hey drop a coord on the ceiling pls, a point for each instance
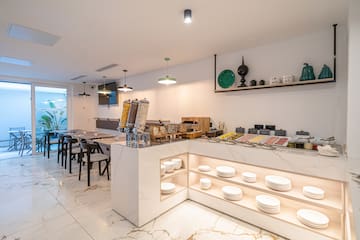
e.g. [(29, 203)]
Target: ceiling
[(137, 35)]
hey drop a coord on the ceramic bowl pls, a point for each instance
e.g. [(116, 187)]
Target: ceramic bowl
[(169, 166), (178, 163), (205, 183)]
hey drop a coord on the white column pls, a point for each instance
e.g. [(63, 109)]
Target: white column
[(353, 128)]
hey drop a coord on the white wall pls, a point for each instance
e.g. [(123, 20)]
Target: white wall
[(353, 129), (321, 109)]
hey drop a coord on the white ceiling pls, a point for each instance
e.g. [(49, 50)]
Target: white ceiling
[(137, 35)]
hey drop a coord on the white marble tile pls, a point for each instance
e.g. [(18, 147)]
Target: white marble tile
[(39, 200)]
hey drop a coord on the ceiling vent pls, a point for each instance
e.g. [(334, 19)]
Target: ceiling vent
[(78, 77), (107, 67), (32, 35)]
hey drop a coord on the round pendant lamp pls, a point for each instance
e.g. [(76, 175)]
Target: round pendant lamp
[(125, 87), (103, 90), (167, 80)]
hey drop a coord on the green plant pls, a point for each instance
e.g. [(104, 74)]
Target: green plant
[(53, 119)]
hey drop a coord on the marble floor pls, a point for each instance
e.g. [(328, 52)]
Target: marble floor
[(40, 200)]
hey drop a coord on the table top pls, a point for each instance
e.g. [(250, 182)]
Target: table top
[(109, 141)]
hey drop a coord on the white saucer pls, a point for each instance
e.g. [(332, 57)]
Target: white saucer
[(204, 168), (313, 192), (167, 188), (225, 171), (249, 177), (313, 218), (232, 193)]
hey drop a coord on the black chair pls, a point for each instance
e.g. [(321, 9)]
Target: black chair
[(73, 150), (48, 141), (93, 154)]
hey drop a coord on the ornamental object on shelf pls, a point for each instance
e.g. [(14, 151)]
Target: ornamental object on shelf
[(307, 73), (242, 71), (325, 72)]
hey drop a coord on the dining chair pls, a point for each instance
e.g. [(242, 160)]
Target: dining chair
[(48, 141), (73, 150), (25, 142), (93, 154)]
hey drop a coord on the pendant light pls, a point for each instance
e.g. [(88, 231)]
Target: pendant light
[(167, 80), (125, 88), (103, 90), (84, 94)]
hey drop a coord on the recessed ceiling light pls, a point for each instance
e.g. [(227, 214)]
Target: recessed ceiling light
[(15, 61), (32, 35), (107, 67), (78, 77)]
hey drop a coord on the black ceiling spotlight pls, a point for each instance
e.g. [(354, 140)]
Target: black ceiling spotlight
[(187, 16)]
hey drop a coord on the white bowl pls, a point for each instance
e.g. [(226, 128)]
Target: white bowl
[(204, 168), (313, 192), (249, 177), (312, 218), (232, 193), (205, 183), (278, 183), (225, 171), (167, 188), (162, 170), (178, 163), (269, 210), (169, 166)]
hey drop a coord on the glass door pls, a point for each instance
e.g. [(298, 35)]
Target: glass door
[(50, 114), (15, 121)]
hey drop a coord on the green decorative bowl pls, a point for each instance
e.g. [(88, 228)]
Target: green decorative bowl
[(226, 78)]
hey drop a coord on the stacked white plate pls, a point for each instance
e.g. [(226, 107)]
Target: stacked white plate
[(313, 192), (278, 183), (232, 193), (177, 162), (162, 170), (204, 168), (205, 183), (268, 204), (249, 177), (167, 188), (312, 218), (225, 171), (169, 166)]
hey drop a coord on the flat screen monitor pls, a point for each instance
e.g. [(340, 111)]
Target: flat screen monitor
[(108, 99)]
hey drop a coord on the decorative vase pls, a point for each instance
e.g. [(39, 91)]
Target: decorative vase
[(253, 83), (242, 71), (307, 73), (325, 72)]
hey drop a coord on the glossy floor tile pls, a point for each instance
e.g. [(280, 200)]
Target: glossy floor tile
[(40, 200)]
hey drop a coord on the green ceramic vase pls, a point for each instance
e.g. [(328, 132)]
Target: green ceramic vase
[(307, 73)]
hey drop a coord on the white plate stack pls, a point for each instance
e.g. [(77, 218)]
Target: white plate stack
[(312, 218), (205, 183), (225, 171), (177, 162), (169, 166), (313, 192), (232, 193), (167, 188), (204, 168), (278, 183), (249, 177), (162, 170), (268, 204)]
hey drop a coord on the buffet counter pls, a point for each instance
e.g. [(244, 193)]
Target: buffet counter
[(137, 177)]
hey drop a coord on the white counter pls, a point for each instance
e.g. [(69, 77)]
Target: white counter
[(135, 184)]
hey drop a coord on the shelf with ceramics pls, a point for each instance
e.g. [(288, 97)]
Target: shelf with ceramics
[(331, 202), (173, 173)]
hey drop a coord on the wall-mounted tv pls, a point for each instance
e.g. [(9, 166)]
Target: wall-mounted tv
[(108, 99)]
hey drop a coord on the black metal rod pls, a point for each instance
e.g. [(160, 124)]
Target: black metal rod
[(214, 72), (334, 26)]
